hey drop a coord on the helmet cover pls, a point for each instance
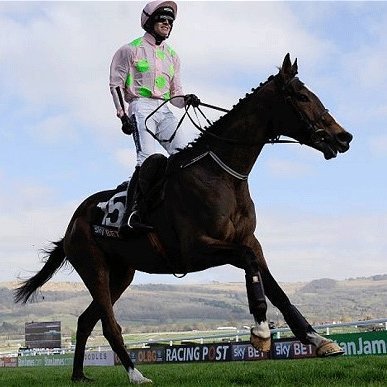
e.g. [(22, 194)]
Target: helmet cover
[(157, 8)]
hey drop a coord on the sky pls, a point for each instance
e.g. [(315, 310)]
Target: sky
[(60, 140)]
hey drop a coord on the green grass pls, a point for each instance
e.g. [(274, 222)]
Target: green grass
[(344, 371)]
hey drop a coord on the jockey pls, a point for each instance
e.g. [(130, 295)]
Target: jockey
[(147, 72)]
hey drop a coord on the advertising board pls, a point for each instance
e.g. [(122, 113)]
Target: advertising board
[(198, 353), (147, 355), (353, 344), (291, 349), (99, 358), (8, 361), (365, 343), (245, 352), (45, 360)]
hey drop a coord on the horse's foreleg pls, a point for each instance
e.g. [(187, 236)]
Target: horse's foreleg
[(260, 334), (296, 321), (211, 252), (221, 253)]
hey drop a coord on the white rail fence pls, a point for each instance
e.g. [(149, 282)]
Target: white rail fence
[(237, 334)]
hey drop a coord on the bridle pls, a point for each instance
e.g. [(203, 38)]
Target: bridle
[(316, 133)]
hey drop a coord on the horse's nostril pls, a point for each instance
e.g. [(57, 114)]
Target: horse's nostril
[(344, 137)]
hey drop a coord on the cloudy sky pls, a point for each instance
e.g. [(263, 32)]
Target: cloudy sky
[(60, 140)]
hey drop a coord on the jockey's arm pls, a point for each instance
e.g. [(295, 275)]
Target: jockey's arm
[(119, 70), (176, 88)]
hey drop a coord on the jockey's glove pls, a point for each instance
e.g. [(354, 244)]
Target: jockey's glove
[(191, 100), (127, 125)]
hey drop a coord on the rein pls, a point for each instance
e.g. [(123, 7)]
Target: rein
[(193, 122), (275, 140), (177, 127), (288, 96)]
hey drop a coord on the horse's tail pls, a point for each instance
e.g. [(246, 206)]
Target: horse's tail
[(54, 260)]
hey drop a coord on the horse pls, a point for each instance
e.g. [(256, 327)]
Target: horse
[(203, 218)]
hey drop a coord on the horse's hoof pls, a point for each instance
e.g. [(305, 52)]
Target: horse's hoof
[(136, 377), (261, 343), (329, 348)]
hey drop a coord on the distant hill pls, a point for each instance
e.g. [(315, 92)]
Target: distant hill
[(202, 306)]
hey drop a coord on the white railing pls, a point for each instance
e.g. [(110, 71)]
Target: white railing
[(236, 334)]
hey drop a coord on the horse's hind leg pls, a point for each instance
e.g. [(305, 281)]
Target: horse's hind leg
[(86, 324), (88, 319), (99, 273), (111, 329), (98, 283), (295, 320)]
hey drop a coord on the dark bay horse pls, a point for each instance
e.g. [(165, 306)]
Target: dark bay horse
[(205, 218)]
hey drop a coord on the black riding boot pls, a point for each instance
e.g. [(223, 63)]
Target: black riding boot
[(131, 220)]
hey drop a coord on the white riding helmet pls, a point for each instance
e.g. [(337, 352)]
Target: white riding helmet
[(152, 7)]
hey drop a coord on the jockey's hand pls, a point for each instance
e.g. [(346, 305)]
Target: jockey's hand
[(127, 125), (191, 100)]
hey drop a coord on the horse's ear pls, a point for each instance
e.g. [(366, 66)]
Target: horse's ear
[(288, 70), (286, 63), (295, 68)]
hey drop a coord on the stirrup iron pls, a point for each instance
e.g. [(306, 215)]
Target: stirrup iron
[(134, 222), (132, 216)]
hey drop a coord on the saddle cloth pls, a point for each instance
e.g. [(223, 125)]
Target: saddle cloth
[(109, 212)]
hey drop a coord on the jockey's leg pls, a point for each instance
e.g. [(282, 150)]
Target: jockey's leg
[(145, 146), (129, 199), (131, 220), (166, 130)]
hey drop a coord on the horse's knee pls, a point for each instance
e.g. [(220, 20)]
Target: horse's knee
[(250, 261)]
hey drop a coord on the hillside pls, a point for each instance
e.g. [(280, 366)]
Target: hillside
[(181, 307)]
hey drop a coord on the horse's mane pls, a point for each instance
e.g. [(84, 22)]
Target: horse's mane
[(217, 126)]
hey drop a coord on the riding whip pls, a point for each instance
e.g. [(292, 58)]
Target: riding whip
[(118, 90)]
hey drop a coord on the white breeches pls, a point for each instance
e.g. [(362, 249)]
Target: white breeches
[(162, 124)]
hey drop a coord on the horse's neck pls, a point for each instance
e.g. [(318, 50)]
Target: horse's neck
[(247, 128)]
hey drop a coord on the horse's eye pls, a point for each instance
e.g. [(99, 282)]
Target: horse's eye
[(302, 97)]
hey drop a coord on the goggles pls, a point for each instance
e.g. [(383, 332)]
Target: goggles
[(164, 19)]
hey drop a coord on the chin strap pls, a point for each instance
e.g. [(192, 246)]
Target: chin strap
[(158, 38)]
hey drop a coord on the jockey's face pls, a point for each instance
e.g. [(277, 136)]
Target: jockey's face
[(163, 27)]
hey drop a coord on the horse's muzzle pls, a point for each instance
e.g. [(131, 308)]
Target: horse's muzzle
[(330, 144), (343, 140)]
